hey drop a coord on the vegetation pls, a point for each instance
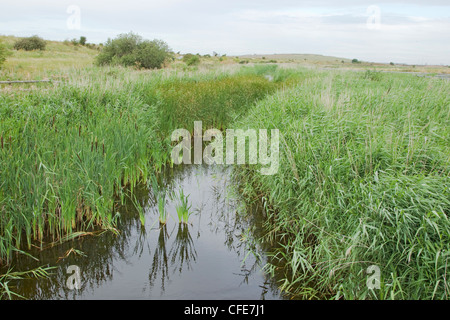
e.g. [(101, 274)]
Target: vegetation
[(67, 153), (183, 208), (364, 180), (160, 195), (11, 276), (30, 44), (131, 50), (364, 166), (83, 40), (57, 62), (4, 52), (191, 59)]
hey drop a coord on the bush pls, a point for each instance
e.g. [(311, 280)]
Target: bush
[(373, 75), (30, 43), (191, 60), (82, 41), (131, 50), (356, 61)]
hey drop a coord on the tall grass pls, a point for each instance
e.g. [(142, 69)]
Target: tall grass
[(7, 290), (183, 208), (364, 180)]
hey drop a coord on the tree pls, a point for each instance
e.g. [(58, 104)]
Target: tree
[(82, 40), (31, 43), (130, 49), (152, 54), (190, 59)]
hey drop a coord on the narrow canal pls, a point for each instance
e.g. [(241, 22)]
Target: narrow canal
[(214, 256)]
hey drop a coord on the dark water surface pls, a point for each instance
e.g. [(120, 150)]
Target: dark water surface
[(209, 258)]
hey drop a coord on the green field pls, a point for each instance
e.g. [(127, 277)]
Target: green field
[(364, 172)]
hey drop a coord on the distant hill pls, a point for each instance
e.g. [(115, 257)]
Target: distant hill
[(58, 56), (295, 57)]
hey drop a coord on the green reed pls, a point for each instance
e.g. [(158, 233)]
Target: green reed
[(183, 208), (67, 153), (364, 180)]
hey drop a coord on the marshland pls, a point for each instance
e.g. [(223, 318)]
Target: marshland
[(87, 179)]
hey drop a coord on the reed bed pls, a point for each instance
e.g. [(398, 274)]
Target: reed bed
[(364, 180), (67, 152)]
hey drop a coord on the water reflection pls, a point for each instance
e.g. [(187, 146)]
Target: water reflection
[(208, 258)]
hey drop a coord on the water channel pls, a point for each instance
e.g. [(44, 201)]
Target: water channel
[(214, 256)]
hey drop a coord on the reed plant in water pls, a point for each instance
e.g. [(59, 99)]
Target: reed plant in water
[(183, 208), (162, 208)]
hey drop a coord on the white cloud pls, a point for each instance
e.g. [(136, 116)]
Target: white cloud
[(410, 31)]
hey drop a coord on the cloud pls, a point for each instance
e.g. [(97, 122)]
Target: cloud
[(409, 31)]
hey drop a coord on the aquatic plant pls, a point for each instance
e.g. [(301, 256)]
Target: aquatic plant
[(183, 208), (6, 290), (162, 208)]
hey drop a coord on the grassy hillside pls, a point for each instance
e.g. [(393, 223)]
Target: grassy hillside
[(52, 63)]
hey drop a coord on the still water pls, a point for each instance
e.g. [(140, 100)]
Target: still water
[(211, 257)]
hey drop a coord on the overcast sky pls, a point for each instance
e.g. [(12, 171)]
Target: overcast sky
[(414, 32)]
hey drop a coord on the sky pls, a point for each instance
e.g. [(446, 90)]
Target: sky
[(412, 32)]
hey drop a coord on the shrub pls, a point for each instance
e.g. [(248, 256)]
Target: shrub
[(82, 41), (152, 54), (373, 75), (131, 50), (356, 61), (191, 60), (30, 43)]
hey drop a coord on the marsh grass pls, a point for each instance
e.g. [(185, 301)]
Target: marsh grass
[(162, 208), (7, 290), (364, 180), (183, 208), (69, 151), (160, 195)]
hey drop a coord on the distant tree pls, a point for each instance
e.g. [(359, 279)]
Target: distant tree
[(152, 54), (30, 43), (130, 49), (82, 40), (191, 60), (355, 61), (391, 63)]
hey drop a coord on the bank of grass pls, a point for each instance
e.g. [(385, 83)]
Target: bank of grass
[(67, 151), (55, 62), (364, 180)]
